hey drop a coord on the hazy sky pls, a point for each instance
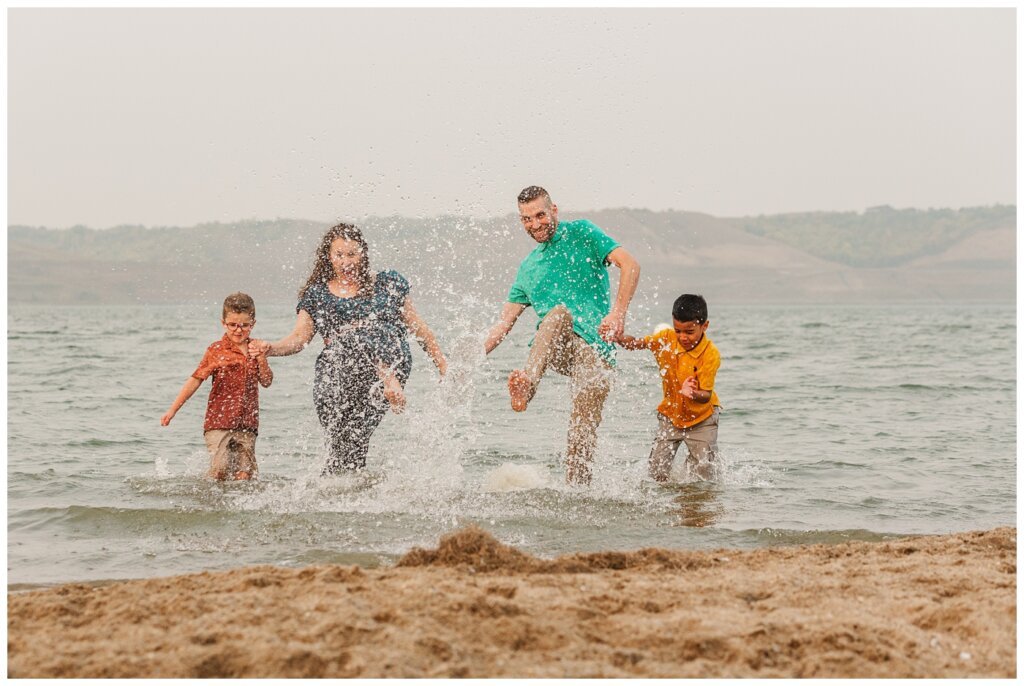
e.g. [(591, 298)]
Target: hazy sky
[(175, 117)]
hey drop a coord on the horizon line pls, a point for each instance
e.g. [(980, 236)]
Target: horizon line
[(579, 213)]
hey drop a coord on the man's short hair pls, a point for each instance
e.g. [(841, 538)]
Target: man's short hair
[(531, 193), (690, 308), (239, 303)]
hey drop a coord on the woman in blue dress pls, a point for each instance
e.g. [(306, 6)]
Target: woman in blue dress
[(364, 319)]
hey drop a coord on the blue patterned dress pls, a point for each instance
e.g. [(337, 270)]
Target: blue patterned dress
[(359, 333)]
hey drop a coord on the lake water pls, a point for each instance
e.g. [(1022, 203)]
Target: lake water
[(839, 423)]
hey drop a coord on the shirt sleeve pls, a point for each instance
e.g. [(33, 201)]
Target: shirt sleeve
[(206, 366), (311, 303), (396, 286), (655, 340), (708, 369), (517, 294), (601, 244)]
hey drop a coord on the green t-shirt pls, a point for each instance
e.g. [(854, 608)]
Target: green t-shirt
[(570, 270)]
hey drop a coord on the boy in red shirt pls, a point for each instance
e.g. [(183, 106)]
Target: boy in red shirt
[(233, 410), (688, 413)]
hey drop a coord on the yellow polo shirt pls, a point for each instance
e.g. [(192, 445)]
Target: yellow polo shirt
[(677, 365)]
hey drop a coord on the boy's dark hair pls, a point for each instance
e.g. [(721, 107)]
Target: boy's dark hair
[(532, 193), (239, 303), (690, 308)]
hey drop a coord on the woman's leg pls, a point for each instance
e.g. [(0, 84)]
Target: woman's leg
[(348, 411), (348, 441)]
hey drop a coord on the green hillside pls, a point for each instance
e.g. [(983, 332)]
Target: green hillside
[(880, 236)]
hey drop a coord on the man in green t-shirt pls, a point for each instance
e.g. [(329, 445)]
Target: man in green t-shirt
[(565, 279)]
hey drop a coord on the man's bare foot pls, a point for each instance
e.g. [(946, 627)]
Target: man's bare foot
[(519, 388), (394, 393), (242, 475)]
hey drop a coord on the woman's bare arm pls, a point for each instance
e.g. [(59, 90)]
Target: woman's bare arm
[(264, 373), (423, 335), (294, 342)]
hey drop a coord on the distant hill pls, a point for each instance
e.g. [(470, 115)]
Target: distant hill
[(880, 236), (880, 254)]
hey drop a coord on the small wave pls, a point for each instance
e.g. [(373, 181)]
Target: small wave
[(490, 457), (345, 484), (771, 537), (836, 463), (206, 490), (96, 517), (103, 442), (37, 334), (64, 371)]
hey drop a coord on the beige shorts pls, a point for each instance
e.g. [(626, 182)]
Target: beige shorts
[(231, 452), (701, 441)]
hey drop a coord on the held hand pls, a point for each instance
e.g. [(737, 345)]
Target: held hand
[(690, 388), (611, 327), (258, 347)]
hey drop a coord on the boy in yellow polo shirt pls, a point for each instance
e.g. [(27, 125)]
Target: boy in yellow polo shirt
[(688, 413)]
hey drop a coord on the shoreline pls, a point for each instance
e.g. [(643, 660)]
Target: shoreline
[(920, 606)]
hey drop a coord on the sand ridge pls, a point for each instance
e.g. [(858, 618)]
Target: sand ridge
[(929, 606)]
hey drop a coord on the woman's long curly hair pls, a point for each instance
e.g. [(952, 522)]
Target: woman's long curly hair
[(323, 270)]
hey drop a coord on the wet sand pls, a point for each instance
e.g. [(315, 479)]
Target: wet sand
[(934, 606)]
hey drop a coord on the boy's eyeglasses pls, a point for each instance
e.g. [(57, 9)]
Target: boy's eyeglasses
[(233, 326)]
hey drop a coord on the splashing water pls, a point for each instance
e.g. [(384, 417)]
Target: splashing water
[(812, 449), (514, 477)]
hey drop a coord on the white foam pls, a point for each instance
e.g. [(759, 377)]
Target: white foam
[(513, 477)]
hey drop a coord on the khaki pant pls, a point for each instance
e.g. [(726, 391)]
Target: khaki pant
[(590, 380), (230, 452), (701, 441)]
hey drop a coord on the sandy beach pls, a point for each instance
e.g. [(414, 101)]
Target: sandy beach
[(931, 606)]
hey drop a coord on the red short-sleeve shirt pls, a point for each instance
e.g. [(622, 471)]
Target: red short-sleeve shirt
[(234, 399)]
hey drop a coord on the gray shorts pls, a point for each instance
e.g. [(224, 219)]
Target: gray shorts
[(701, 441)]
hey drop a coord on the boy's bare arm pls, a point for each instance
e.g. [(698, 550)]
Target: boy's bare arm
[(509, 314), (629, 343), (691, 389), (263, 371), (698, 387), (186, 392)]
